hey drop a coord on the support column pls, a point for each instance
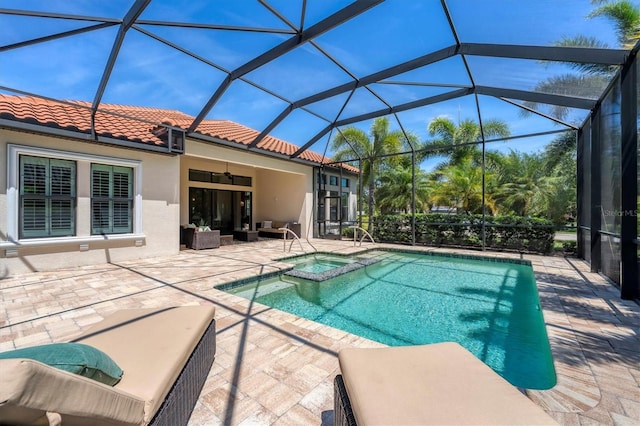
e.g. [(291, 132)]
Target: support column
[(629, 280), (596, 202), (413, 197), (580, 193), (359, 203)]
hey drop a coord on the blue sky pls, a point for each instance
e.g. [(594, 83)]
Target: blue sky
[(150, 73)]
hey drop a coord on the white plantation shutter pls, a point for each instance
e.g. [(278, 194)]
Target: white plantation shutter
[(100, 191), (62, 190), (47, 197), (111, 199), (34, 213), (122, 194)]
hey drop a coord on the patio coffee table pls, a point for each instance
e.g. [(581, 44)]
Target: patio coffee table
[(243, 235)]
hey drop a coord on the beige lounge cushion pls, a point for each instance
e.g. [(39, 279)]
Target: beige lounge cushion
[(273, 227), (29, 389), (151, 346), (271, 230), (279, 224), (441, 383)]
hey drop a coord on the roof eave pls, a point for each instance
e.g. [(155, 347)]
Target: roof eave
[(242, 147), (81, 136)]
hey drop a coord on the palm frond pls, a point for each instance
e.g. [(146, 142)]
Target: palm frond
[(624, 14), (443, 128), (588, 86), (559, 148), (495, 128)]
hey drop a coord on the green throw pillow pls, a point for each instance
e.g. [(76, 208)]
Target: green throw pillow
[(75, 358)]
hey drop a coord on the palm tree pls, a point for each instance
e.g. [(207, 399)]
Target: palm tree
[(625, 16), (455, 138), (592, 78), (460, 185), (524, 186), (353, 143), (395, 192), (581, 85), (562, 205), (562, 146)]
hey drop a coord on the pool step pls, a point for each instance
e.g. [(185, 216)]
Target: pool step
[(332, 273)]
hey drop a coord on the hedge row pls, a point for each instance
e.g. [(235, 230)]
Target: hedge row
[(515, 233)]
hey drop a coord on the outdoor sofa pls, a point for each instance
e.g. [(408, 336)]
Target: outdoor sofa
[(441, 383), (271, 228), (165, 355), (198, 240)]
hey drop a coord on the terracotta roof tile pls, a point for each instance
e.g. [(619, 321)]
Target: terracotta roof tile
[(137, 124)]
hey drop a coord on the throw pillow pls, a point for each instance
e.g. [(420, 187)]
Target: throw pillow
[(266, 224), (75, 358)]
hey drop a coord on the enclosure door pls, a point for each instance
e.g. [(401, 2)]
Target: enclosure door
[(329, 217)]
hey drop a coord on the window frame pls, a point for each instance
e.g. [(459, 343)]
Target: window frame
[(83, 162)]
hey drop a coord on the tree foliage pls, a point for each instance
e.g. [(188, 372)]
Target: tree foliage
[(395, 192), (353, 143), (539, 184), (591, 79)]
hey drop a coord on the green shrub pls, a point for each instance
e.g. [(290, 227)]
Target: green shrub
[(570, 247), (514, 233), (347, 232)]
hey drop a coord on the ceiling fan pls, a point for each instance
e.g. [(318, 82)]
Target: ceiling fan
[(227, 174)]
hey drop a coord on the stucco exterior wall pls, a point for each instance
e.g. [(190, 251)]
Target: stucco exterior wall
[(158, 207), (281, 190), (284, 197)]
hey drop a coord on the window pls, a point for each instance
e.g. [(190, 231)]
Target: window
[(241, 180), (47, 197), (111, 199), (345, 182), (333, 180), (44, 198), (321, 212), (344, 204), (213, 177), (199, 176)]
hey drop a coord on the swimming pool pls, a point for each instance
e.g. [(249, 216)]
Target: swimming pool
[(490, 307)]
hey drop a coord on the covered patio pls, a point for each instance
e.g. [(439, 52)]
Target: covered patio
[(274, 368)]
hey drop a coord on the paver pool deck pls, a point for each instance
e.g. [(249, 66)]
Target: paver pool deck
[(273, 368)]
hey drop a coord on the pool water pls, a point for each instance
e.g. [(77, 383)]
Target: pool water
[(489, 307)]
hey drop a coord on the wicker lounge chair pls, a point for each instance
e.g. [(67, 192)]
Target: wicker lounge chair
[(166, 355), (431, 384)]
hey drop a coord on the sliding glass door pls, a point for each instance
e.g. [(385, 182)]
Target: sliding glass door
[(220, 209)]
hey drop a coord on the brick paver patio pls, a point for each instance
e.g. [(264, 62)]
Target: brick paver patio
[(274, 368)]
